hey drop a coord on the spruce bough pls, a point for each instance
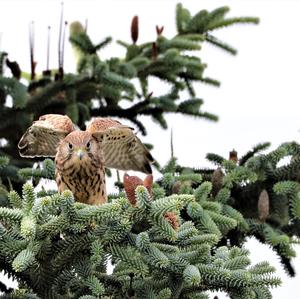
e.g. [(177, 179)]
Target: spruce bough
[(57, 248)]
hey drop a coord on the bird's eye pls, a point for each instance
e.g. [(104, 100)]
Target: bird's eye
[(70, 146), (88, 145), (31, 131)]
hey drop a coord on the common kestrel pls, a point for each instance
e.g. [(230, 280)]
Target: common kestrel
[(81, 156)]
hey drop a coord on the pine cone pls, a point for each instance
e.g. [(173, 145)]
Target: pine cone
[(172, 219), (217, 181), (263, 205), (233, 156), (131, 182), (154, 52), (176, 187), (159, 30), (135, 29), (14, 68), (148, 182)]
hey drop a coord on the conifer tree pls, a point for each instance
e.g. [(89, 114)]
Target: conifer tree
[(178, 237), (99, 86)]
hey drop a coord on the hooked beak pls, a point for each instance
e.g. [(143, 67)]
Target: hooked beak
[(80, 153)]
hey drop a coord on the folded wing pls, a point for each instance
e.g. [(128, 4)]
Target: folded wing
[(122, 149), (44, 135)]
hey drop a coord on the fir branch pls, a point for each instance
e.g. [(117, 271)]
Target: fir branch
[(218, 43), (230, 21), (16, 89), (104, 43), (183, 18), (256, 149)]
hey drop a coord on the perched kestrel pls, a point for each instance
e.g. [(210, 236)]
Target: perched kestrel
[(81, 156)]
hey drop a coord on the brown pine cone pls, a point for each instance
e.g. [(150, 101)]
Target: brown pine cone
[(131, 182)]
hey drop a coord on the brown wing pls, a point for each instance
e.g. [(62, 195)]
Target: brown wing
[(121, 148), (43, 137)]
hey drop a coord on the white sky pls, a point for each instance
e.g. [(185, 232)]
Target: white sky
[(259, 97)]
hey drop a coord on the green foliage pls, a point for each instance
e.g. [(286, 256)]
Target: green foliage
[(61, 248), (14, 88), (191, 275), (203, 23), (46, 170), (237, 193), (291, 190), (3, 162)]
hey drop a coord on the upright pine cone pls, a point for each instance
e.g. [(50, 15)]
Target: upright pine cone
[(217, 181), (172, 219), (233, 156), (135, 29), (131, 182), (154, 52), (159, 30)]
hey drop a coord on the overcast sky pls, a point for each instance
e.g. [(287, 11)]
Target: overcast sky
[(259, 97)]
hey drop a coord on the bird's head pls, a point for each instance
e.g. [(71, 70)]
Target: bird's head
[(78, 147)]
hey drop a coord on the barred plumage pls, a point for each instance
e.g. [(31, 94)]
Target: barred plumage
[(81, 156)]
